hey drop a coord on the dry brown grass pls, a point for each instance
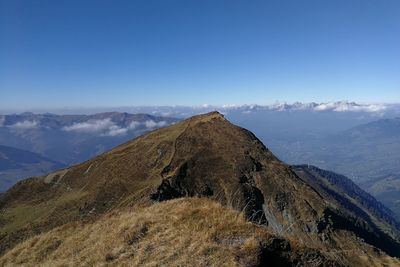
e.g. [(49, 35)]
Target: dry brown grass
[(184, 232), (180, 232)]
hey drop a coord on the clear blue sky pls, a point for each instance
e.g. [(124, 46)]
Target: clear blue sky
[(116, 53)]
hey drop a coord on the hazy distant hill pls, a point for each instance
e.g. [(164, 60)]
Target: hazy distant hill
[(366, 151), (369, 154), (16, 164), (73, 138), (362, 152)]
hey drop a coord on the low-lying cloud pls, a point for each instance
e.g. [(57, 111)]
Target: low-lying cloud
[(339, 106), (353, 107), (133, 125), (107, 127), (115, 131), (2, 120), (150, 124), (91, 126), (24, 125)]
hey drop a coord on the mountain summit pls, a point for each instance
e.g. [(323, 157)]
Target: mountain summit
[(206, 156)]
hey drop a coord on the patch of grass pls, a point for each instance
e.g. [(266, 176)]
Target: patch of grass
[(21, 215)]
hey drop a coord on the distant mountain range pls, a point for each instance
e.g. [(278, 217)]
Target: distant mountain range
[(340, 106), (182, 111), (66, 139)]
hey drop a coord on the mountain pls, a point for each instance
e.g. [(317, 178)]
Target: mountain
[(70, 139), (206, 156), (16, 164)]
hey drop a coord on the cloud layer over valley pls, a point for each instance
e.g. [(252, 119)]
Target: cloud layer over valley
[(107, 127), (24, 125)]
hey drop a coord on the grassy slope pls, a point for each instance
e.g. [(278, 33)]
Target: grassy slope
[(182, 232), (194, 232)]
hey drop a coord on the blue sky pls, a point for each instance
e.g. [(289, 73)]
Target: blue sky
[(190, 52)]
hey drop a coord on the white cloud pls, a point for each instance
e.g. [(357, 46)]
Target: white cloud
[(341, 106), (104, 127), (325, 106), (166, 114), (24, 125), (133, 125), (91, 126), (350, 106), (115, 130), (107, 127), (150, 124)]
